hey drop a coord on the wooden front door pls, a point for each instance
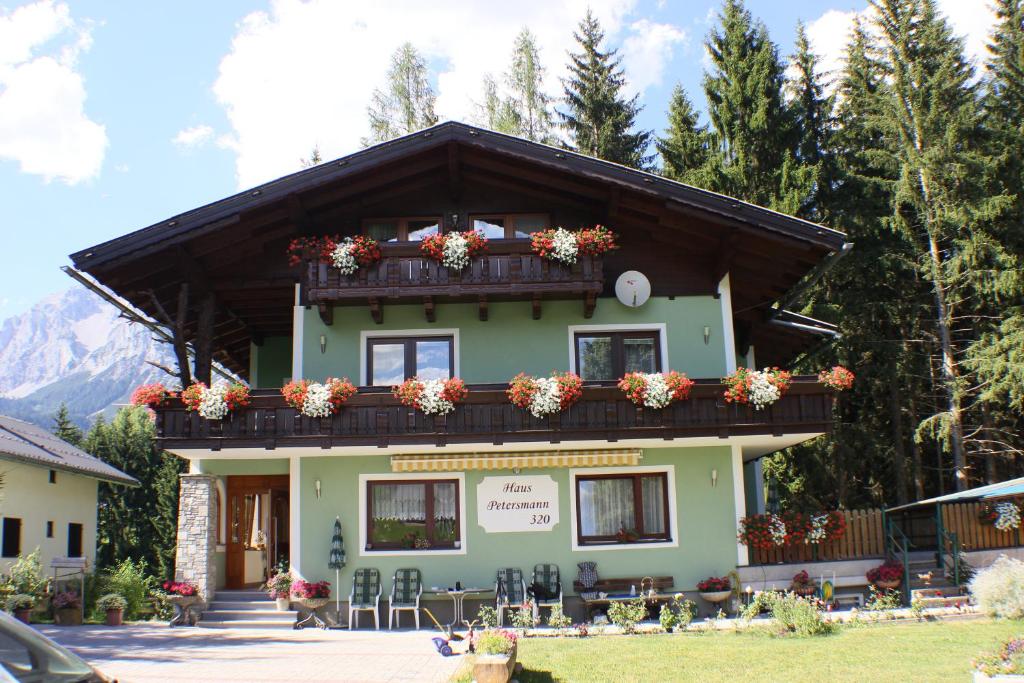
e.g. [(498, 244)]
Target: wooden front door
[(257, 521)]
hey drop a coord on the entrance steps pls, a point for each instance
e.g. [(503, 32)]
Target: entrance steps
[(935, 590), (245, 609)]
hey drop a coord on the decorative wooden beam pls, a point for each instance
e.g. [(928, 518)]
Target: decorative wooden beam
[(482, 305), (375, 310), (589, 303), (454, 172), (204, 337), (726, 254), (326, 312), (536, 306), (428, 309)]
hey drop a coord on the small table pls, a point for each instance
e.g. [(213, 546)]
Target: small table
[(458, 597)]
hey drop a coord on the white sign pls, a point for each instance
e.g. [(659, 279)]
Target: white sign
[(516, 503)]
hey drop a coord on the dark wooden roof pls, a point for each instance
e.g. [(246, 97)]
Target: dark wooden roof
[(234, 247)]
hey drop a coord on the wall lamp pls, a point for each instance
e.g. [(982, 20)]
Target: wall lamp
[(714, 478), (323, 343), (316, 486), (707, 335)]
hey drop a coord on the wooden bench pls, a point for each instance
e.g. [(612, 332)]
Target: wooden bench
[(618, 589)]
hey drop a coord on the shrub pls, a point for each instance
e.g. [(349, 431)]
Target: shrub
[(67, 600), (890, 570), (522, 618), (666, 617), (626, 614), (882, 600), (677, 614), (111, 601), (792, 613), (26, 576), (494, 642), (999, 589), (488, 616), (129, 580), (20, 601), (558, 619), (279, 585)]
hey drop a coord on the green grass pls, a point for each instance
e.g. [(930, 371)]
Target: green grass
[(929, 651)]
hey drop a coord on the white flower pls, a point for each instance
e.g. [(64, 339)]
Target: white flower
[(342, 257), (212, 405), (762, 392), (778, 530), (1009, 516), (657, 394), (432, 402), (318, 401), (547, 399), (817, 532), (565, 247), (456, 251)]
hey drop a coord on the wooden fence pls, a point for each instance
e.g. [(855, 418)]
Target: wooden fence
[(962, 518), (864, 537)]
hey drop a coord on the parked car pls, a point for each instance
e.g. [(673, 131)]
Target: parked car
[(27, 656)]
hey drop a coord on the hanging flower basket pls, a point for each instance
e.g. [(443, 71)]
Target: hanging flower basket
[(214, 403), (759, 388), (656, 390), (454, 250), (150, 395), (838, 378), (1006, 516), (315, 399), (545, 395), (565, 246), (431, 396)]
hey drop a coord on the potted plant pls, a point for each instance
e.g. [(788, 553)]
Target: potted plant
[(715, 589), (182, 595), (496, 656), (279, 587), (887, 576), (803, 585), (113, 605), (624, 535), (20, 605), (67, 608)]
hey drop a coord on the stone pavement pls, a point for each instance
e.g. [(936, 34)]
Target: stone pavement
[(147, 653)]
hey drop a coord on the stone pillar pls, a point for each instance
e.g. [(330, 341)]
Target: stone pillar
[(197, 533)]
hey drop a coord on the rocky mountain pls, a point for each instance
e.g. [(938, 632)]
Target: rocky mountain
[(72, 347)]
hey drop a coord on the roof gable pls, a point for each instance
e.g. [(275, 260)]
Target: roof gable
[(30, 444)]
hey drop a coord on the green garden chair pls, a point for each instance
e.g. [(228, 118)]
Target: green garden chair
[(510, 588), (406, 588), (365, 596), (548, 577)]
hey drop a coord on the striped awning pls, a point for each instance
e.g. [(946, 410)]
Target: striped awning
[(508, 461)]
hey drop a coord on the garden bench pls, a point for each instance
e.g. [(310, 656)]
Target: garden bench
[(619, 589)]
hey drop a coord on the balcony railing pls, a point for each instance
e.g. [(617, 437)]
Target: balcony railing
[(508, 271), (374, 418)]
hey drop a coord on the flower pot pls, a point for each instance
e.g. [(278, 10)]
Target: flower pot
[(888, 585), (283, 604), (23, 614), (115, 617), (495, 668), (716, 596), (68, 616)]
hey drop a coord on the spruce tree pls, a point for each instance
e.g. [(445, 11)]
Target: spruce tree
[(64, 427), (598, 118), (685, 148), (406, 104)]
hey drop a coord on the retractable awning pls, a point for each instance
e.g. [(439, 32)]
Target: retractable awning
[(1011, 487), (520, 460)]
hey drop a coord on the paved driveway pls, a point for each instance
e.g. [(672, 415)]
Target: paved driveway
[(151, 653)]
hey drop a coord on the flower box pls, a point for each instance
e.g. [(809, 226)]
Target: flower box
[(716, 597), (68, 616), (495, 668)]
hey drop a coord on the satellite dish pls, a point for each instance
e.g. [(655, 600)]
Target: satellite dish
[(633, 288)]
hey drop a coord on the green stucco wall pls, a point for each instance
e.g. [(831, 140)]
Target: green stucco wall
[(705, 514), (510, 341), (253, 466), (272, 362)]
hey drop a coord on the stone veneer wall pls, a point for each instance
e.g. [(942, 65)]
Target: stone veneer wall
[(197, 533)]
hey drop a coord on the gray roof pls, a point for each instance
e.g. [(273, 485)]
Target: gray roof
[(24, 442)]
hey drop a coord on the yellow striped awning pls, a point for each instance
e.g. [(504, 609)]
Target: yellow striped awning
[(508, 461)]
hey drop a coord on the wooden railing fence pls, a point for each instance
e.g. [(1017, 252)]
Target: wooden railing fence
[(962, 519), (864, 537)]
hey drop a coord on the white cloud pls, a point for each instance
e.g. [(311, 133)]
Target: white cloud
[(193, 137), (302, 73), (43, 125), (647, 50)]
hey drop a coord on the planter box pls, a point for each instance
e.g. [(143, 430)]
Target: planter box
[(115, 617), (71, 616), (495, 668)]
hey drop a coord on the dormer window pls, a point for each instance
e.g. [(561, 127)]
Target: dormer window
[(401, 229), (509, 225)]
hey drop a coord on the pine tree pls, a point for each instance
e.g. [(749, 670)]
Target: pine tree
[(525, 80), (406, 104), (497, 112), (314, 158), (685, 149), (598, 118), (64, 428)]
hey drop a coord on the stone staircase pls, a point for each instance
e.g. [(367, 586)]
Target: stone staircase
[(936, 592), (245, 609)]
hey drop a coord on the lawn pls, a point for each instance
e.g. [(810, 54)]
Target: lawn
[(929, 651)]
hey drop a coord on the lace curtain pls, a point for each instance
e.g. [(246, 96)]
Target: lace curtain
[(607, 505), (408, 501)]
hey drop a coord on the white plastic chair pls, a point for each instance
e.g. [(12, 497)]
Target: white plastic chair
[(365, 579), (406, 589)]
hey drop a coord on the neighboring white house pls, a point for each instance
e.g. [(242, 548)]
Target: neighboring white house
[(49, 495)]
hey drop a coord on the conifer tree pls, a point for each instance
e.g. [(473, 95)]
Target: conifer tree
[(525, 80), (406, 104), (496, 112), (64, 427), (685, 148), (598, 118)]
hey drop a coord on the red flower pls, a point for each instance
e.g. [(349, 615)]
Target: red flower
[(311, 248), (890, 570), (634, 384), (738, 383), (307, 589), (714, 584), (521, 390), (150, 395), (838, 378), (596, 240)]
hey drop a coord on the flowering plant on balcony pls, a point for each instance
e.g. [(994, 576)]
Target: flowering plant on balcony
[(215, 402), (714, 584), (432, 396), (180, 588), (759, 388), (825, 526), (310, 591), (308, 247), (545, 395), (657, 389), (150, 395), (454, 249), (559, 244), (1004, 515), (315, 399), (838, 378), (770, 530), (888, 572), (353, 252)]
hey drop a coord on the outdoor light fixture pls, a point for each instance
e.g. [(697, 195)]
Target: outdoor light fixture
[(707, 335), (714, 477), (323, 343), (316, 485)]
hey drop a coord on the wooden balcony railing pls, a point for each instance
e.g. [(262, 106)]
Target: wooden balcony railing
[(508, 271), (374, 418)]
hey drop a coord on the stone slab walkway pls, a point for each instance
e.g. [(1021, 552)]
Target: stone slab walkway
[(151, 653)]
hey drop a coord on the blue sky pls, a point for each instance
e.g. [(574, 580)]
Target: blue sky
[(116, 115)]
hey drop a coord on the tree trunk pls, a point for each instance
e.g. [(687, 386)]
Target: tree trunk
[(204, 338), (180, 348), (899, 456)]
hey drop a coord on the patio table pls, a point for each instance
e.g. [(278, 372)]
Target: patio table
[(458, 597)]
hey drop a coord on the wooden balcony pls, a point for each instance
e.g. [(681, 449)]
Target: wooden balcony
[(508, 271), (374, 418)]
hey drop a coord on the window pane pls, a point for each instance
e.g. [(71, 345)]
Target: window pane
[(383, 231), (388, 364), (420, 229), (639, 355), (492, 228), (606, 505), (653, 504), (444, 513), (524, 225), (595, 355), (399, 513), (432, 359)]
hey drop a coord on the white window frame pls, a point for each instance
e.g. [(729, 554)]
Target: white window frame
[(673, 512), (366, 335), (660, 328), (365, 479)]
